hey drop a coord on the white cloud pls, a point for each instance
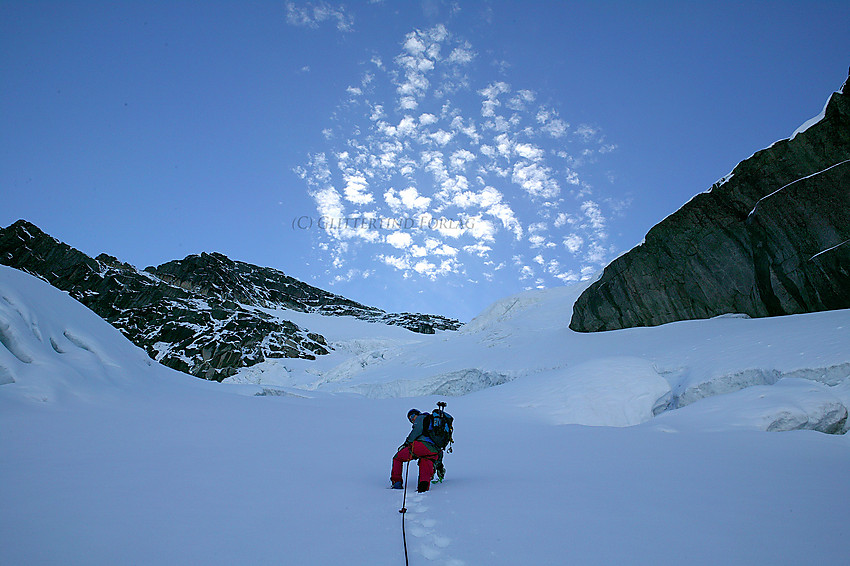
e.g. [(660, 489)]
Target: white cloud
[(461, 55), (536, 180), (586, 132), (459, 159), (521, 100), (445, 249), (355, 190), (493, 90), (594, 214), (529, 151), (556, 128), (506, 215), (573, 242), (572, 177), (484, 199), (596, 254), (488, 107), (329, 203), (433, 163), (561, 219), (408, 103), (392, 200), (468, 130), (411, 198), (427, 119), (483, 230), (399, 263), (568, 277), (400, 240), (406, 200), (407, 126), (504, 145), (537, 241), (442, 137), (478, 249), (424, 267), (311, 15), (432, 270), (438, 33), (418, 251), (414, 45), (491, 97), (319, 173), (551, 123)]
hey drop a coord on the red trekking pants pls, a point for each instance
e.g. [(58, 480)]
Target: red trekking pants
[(412, 452)]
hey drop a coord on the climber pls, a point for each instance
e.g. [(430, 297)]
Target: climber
[(419, 446)]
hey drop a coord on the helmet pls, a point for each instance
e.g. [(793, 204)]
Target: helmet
[(413, 412)]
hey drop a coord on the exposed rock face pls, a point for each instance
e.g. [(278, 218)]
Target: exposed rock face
[(772, 238), (216, 275), (200, 315)]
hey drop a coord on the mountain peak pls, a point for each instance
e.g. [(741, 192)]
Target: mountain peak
[(206, 314)]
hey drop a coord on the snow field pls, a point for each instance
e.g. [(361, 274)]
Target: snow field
[(217, 479), (108, 458)]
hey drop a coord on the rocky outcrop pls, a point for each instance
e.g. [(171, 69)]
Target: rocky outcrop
[(216, 275), (772, 238), (202, 315)]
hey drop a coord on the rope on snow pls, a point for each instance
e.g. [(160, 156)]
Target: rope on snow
[(403, 512)]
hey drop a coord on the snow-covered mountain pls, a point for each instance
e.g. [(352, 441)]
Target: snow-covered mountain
[(206, 314), (111, 458)]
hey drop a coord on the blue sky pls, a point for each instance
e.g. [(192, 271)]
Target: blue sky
[(422, 156)]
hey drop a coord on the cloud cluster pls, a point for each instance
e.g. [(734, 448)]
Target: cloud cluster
[(416, 137), (311, 15)]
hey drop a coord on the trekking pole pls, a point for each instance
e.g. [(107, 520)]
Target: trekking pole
[(403, 511)]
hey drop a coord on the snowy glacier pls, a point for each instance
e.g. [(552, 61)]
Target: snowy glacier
[(635, 447)]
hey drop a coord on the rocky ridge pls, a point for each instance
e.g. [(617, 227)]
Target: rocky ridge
[(772, 238), (203, 315)]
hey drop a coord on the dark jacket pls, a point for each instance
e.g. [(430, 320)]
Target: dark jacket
[(418, 433)]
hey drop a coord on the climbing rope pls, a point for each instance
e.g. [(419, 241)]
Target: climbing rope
[(403, 512)]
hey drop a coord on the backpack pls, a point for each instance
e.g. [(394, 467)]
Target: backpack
[(439, 427)]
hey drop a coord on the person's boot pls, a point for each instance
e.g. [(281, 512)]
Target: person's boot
[(398, 485), (441, 472), (423, 486)]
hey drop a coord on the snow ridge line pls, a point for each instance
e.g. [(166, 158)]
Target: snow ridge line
[(829, 249), (755, 208)]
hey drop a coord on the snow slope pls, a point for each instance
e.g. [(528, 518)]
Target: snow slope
[(109, 458), (618, 378)]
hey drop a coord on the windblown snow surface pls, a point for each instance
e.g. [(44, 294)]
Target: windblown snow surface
[(702, 442)]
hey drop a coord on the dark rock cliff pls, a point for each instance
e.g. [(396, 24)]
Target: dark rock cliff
[(772, 238), (202, 315)]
